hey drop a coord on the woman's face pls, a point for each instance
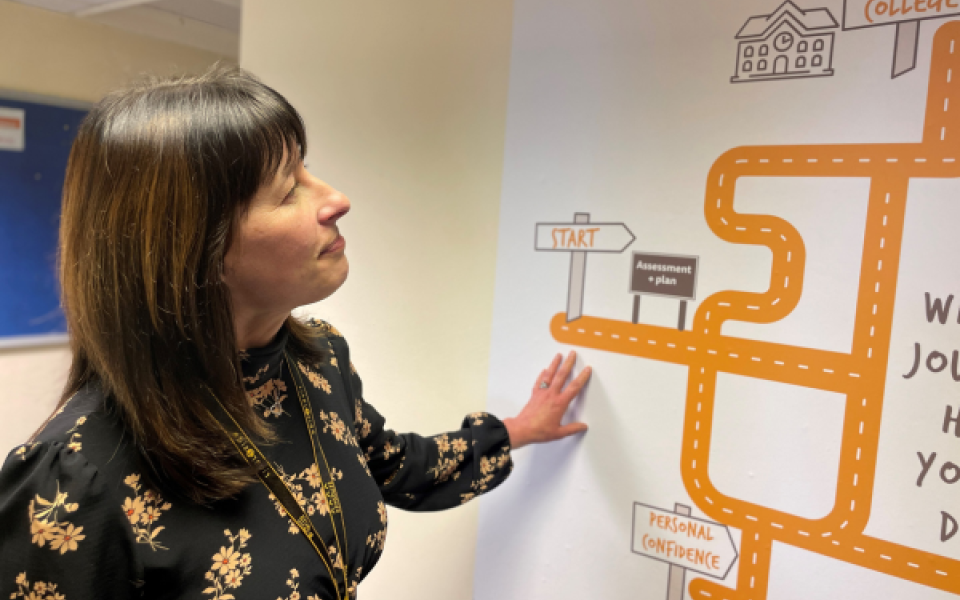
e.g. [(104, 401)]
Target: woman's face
[(287, 250)]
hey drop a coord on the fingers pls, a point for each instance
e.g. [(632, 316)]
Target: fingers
[(577, 384), (545, 409), (551, 371), (564, 371), (541, 378)]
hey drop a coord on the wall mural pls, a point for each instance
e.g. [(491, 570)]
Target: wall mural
[(811, 465)]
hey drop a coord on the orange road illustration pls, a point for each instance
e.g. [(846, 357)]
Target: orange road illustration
[(860, 375)]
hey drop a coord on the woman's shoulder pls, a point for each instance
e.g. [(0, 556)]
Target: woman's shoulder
[(86, 419), (330, 339), (335, 343), (62, 510), (46, 480), (324, 328), (82, 436)]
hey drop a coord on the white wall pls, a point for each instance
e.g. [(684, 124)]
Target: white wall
[(625, 110), (405, 104), (63, 57)]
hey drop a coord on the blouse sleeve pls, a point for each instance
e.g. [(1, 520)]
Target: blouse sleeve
[(64, 534), (431, 473)]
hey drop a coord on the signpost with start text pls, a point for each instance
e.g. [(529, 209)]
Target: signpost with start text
[(579, 238)]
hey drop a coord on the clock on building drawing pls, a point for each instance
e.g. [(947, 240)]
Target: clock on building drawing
[(787, 43)]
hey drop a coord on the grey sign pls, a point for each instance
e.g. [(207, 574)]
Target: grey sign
[(668, 275)]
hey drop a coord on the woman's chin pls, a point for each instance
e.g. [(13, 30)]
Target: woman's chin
[(334, 278)]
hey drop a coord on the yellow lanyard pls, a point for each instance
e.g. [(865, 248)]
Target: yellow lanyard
[(336, 565)]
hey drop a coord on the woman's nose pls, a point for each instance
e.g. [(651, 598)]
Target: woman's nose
[(335, 206)]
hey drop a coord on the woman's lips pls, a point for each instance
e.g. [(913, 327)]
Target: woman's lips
[(335, 246)]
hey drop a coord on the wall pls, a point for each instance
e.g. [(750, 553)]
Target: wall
[(56, 55), (774, 445), (405, 106)]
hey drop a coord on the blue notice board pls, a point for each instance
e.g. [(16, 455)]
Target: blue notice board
[(31, 183)]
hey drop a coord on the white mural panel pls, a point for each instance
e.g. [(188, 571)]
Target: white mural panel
[(743, 215)]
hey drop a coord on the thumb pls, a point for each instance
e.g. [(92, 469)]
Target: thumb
[(572, 429)]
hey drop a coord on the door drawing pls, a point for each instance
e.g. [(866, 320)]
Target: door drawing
[(780, 65)]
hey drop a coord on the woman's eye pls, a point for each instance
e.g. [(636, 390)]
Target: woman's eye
[(290, 193)]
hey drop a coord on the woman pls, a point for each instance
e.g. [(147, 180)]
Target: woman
[(208, 444)]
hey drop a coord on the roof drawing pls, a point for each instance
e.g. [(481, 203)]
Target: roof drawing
[(815, 18)]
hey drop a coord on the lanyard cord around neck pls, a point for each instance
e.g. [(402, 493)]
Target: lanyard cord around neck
[(335, 511), (333, 555)]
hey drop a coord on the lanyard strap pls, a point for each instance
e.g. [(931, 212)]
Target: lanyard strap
[(326, 476), (333, 555)]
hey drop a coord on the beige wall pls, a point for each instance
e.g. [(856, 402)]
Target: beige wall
[(44, 52), (405, 104), (60, 56)]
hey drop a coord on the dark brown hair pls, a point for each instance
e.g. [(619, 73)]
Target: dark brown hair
[(157, 178)]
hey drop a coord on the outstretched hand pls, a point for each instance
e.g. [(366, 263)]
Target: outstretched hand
[(539, 421)]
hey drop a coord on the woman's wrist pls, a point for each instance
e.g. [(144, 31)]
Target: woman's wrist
[(516, 433)]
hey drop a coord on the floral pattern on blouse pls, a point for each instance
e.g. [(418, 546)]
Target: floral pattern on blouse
[(489, 467), (143, 511), (21, 451), (100, 524), (313, 503), (451, 455), (42, 590), (378, 539), (335, 426), (360, 424), (230, 566), (319, 381), (294, 586), (46, 525), (75, 444), (268, 398)]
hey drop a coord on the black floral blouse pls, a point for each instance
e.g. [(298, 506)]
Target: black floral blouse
[(78, 521)]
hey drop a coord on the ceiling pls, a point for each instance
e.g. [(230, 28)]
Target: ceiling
[(212, 25)]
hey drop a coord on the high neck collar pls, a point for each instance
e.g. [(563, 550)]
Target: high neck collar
[(253, 360)]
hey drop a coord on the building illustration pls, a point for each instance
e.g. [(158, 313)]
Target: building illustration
[(787, 43)]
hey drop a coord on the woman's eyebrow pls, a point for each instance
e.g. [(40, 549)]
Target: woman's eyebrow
[(289, 168), (292, 161)]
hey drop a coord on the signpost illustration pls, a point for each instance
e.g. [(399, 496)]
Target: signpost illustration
[(683, 542), (906, 15), (578, 238), (671, 275)]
